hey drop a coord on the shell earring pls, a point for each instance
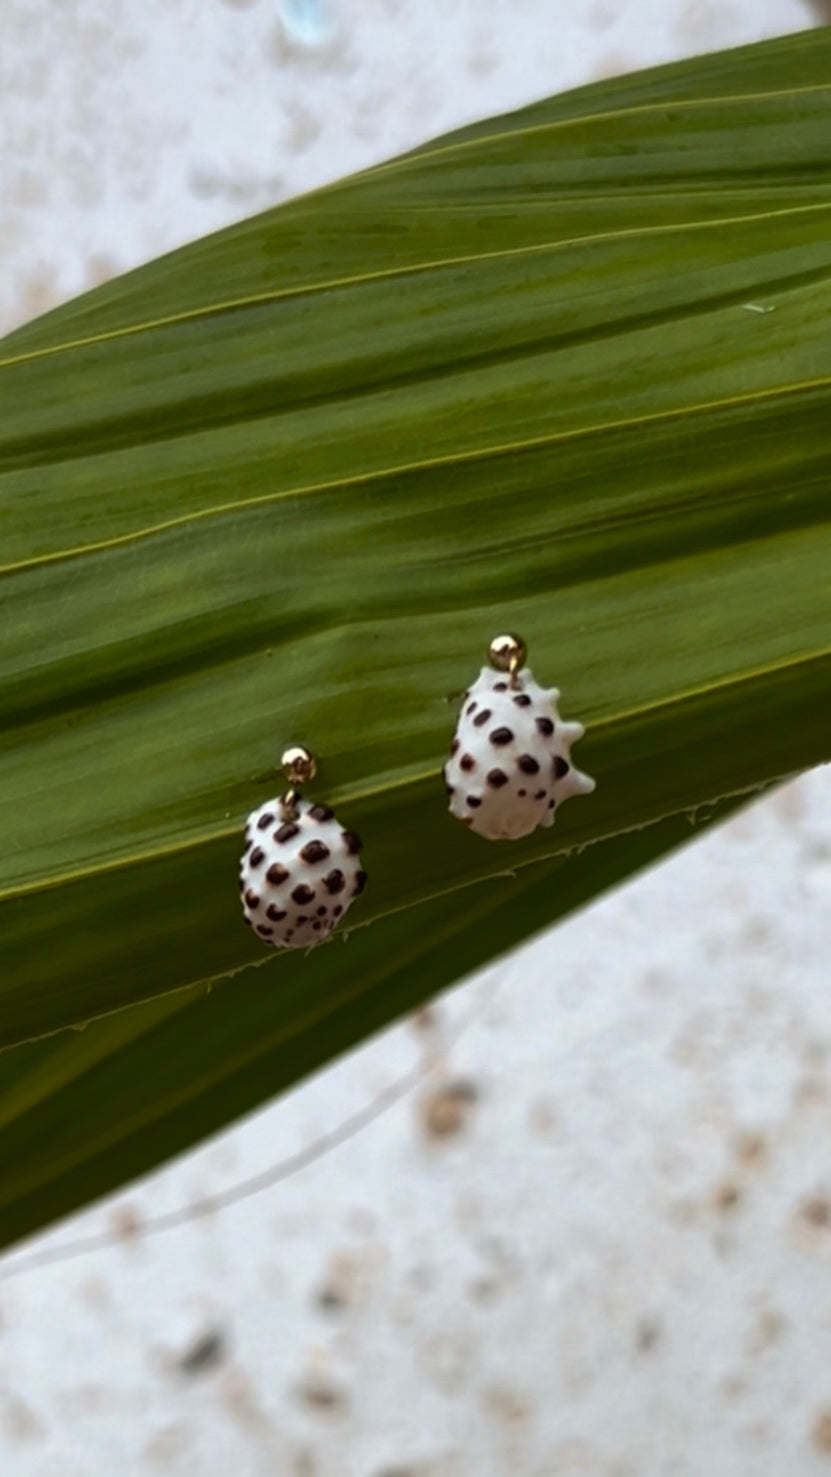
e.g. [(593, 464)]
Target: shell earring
[(510, 760), (300, 870)]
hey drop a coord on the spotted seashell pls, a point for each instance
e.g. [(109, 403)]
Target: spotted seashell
[(510, 761), (298, 877)]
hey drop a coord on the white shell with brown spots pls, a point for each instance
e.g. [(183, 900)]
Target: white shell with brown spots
[(298, 877), (510, 762)]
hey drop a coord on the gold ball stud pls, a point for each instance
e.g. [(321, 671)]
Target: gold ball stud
[(299, 764), (508, 653)]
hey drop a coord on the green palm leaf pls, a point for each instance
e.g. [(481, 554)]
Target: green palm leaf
[(568, 371)]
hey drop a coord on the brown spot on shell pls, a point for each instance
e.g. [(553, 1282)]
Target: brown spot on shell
[(497, 778), (352, 842), (257, 856), (274, 913), (252, 900), (334, 882), (276, 874), (561, 767), (265, 821), (303, 893), (314, 851), (545, 726), (360, 883), (522, 700), (481, 718), (467, 762), (528, 764), (287, 832), (501, 736), (474, 801)]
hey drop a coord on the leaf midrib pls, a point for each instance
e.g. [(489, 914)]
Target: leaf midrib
[(309, 289), (632, 110), (205, 410), (467, 457)]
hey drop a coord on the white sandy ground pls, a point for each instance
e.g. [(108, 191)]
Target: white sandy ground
[(596, 1240)]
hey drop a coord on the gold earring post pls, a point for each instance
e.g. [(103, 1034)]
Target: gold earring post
[(299, 766), (508, 654)]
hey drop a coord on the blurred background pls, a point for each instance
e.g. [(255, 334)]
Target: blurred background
[(574, 1218)]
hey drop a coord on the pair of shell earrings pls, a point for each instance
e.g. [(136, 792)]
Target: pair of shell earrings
[(509, 771)]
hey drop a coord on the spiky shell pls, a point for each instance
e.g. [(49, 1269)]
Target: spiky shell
[(510, 760), (298, 877)]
